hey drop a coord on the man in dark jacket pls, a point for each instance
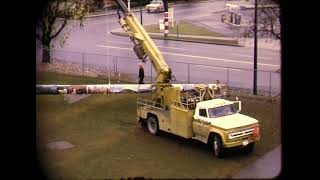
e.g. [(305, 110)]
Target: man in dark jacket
[(141, 74)]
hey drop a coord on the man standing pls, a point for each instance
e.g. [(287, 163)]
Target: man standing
[(141, 74)]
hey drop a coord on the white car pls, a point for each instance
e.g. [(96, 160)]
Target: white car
[(155, 6)]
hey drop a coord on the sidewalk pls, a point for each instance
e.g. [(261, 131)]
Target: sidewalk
[(267, 167)]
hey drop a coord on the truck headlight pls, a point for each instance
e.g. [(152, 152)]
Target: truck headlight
[(256, 132)]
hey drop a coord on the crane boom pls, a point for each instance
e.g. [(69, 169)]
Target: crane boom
[(143, 44)]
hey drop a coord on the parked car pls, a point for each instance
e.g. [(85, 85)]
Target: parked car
[(155, 6)]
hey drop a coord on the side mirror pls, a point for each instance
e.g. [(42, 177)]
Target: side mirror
[(239, 104), (239, 107)]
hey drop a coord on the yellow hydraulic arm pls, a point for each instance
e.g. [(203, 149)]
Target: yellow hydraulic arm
[(143, 44)]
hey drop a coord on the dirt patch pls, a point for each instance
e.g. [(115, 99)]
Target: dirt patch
[(64, 67), (60, 145), (72, 98), (74, 69)]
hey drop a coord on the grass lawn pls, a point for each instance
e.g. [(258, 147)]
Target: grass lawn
[(109, 144), (184, 28)]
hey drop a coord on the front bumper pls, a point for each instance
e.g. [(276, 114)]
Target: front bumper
[(240, 142)]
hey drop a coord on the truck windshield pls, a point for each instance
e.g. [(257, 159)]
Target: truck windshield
[(155, 2), (221, 111)]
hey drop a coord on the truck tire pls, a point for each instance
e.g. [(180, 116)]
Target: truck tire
[(152, 125), (249, 148), (218, 149)]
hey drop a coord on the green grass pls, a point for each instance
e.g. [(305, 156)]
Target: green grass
[(184, 28), (109, 144), (57, 78)]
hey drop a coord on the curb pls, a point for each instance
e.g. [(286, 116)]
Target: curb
[(106, 14), (231, 24), (198, 39)]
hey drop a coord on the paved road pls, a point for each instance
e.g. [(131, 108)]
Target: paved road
[(267, 167), (95, 37)]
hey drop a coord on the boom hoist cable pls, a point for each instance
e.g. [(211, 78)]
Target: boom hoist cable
[(137, 48), (143, 44)]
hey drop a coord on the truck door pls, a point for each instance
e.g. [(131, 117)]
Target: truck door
[(201, 124)]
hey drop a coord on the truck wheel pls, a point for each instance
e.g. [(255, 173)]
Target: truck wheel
[(217, 146), (152, 125), (249, 148)]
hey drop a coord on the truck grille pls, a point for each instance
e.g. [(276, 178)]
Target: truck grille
[(240, 133)]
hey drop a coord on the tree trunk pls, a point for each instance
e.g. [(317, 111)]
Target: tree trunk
[(46, 58)]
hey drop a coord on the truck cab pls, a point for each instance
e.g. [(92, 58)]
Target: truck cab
[(155, 6), (218, 123)]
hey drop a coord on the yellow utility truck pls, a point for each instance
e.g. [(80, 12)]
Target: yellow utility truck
[(196, 115)]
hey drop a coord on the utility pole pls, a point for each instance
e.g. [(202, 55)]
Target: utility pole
[(166, 22), (141, 11), (165, 4), (255, 48), (129, 5)]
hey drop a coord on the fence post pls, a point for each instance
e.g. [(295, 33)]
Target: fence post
[(116, 62), (177, 30), (227, 76), (270, 84), (151, 70), (83, 63), (188, 73), (51, 55), (115, 59), (114, 66), (108, 67)]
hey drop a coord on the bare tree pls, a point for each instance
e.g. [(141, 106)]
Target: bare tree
[(268, 20), (48, 28)]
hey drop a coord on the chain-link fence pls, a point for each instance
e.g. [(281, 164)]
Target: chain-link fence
[(126, 69)]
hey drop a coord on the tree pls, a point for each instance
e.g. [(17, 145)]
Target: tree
[(48, 28), (268, 20)]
